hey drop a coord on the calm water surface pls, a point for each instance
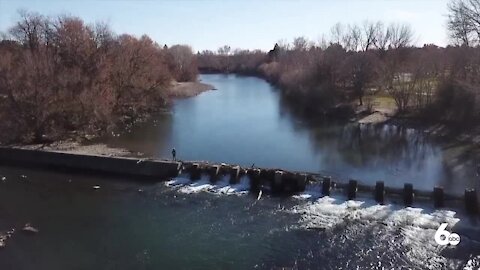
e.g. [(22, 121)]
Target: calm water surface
[(244, 122)]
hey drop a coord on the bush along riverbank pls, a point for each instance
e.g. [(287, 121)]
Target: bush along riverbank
[(61, 78), (364, 67)]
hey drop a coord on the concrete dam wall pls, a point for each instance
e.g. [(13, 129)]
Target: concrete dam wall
[(89, 163), (275, 181)]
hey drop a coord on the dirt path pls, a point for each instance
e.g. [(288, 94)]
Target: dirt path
[(78, 148)]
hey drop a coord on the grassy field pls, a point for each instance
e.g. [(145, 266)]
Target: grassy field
[(382, 103)]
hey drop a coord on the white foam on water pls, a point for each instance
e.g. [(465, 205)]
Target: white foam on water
[(329, 211), (414, 226), (242, 187), (473, 264), (222, 186), (179, 181), (197, 186), (409, 229), (311, 192)]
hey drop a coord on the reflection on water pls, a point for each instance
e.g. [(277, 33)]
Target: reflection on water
[(245, 123)]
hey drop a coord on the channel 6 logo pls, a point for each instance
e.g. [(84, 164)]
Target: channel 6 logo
[(444, 237)]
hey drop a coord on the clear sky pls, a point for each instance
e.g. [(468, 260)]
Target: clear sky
[(247, 24)]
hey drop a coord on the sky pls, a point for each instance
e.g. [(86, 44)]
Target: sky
[(245, 24)]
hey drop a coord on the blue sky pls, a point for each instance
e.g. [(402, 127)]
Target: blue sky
[(248, 24)]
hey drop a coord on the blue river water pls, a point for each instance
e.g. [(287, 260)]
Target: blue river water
[(245, 122)]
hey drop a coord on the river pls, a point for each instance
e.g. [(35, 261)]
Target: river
[(245, 122), (179, 224)]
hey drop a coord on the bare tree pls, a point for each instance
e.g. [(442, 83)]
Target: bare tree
[(104, 36), (360, 70), (300, 44), (403, 90), (29, 29), (370, 33), (184, 61), (464, 21), (224, 50), (59, 75), (283, 45), (355, 37), (400, 35), (322, 42), (350, 37), (383, 38), (413, 87), (336, 33)]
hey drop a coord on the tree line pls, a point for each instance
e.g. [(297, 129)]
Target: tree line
[(359, 61), (60, 76)]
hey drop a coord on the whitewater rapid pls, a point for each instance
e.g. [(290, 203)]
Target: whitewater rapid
[(408, 229)]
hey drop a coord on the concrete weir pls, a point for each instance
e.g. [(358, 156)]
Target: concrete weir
[(275, 181), (90, 163)]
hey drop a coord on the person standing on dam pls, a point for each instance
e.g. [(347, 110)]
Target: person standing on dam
[(174, 154)]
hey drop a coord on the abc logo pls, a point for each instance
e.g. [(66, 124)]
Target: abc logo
[(444, 237)]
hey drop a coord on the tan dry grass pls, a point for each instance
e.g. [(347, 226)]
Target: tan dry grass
[(188, 89)]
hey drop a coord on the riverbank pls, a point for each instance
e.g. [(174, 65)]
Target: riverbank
[(188, 89), (79, 143), (460, 145), (72, 140), (75, 147), (383, 111)]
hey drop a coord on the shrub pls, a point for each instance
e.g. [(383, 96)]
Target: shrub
[(455, 103)]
